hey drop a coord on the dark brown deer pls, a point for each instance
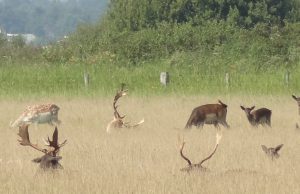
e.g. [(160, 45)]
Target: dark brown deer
[(272, 152), (198, 166), (260, 116), (118, 121), (298, 102), (208, 114), (50, 159)]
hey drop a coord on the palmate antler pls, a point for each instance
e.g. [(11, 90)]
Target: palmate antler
[(54, 143), (198, 166), (49, 160), (25, 140), (119, 94), (118, 122)]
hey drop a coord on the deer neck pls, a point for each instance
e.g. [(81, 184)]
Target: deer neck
[(250, 118)]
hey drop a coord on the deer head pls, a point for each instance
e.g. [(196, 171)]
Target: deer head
[(272, 152), (118, 120), (248, 110), (198, 166), (49, 160)]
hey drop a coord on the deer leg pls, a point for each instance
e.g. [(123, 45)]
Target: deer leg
[(216, 124), (225, 124), (200, 125), (50, 123), (269, 121)]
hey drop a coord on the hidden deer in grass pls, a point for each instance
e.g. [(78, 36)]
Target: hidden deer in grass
[(50, 159), (272, 152), (198, 166), (39, 114), (257, 117), (208, 114), (118, 120)]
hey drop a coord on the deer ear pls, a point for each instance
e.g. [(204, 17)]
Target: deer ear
[(243, 108), (294, 97), (252, 107)]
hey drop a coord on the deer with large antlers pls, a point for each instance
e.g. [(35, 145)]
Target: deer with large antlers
[(39, 114), (198, 166), (50, 159), (208, 114), (118, 120)]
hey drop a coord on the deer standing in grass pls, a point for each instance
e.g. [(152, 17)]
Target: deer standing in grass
[(257, 117), (208, 114), (198, 166), (298, 102), (50, 159), (39, 114), (118, 121)]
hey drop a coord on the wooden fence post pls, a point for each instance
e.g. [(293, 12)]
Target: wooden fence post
[(287, 78), (86, 78), (164, 78), (227, 80)]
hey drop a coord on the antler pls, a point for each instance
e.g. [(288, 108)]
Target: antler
[(128, 125), (198, 166), (119, 94), (25, 141), (218, 138), (183, 156), (54, 143)]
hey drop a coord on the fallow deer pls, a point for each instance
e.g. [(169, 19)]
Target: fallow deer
[(272, 152), (208, 114), (50, 159), (118, 121), (198, 166), (257, 117), (39, 114), (298, 102)]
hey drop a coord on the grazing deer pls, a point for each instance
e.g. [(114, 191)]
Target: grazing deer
[(118, 121), (198, 166), (272, 152), (260, 116), (208, 114), (50, 160), (39, 114)]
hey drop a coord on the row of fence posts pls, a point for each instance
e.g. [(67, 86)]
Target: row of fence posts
[(165, 79)]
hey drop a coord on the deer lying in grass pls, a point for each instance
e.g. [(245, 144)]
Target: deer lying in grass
[(208, 114), (272, 152), (50, 159), (118, 121), (39, 114), (260, 116), (198, 166)]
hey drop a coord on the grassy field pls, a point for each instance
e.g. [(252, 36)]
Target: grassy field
[(146, 159), (18, 81)]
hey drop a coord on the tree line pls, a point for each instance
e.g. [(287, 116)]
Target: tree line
[(260, 33)]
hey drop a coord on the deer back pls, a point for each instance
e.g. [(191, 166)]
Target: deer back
[(218, 109), (260, 113)]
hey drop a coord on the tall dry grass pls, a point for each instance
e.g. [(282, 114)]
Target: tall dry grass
[(146, 159)]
